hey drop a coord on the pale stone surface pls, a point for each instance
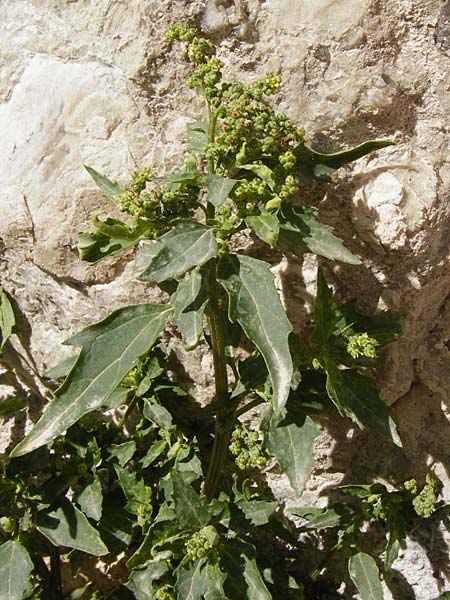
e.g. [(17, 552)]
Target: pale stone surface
[(96, 83)]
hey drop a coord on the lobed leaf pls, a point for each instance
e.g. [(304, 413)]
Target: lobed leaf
[(188, 244), (15, 571), (109, 237), (218, 188), (67, 526), (110, 189), (191, 583), (110, 349), (254, 303), (191, 509), (364, 573)]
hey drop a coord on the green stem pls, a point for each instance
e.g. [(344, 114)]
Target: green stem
[(248, 406), (126, 414), (222, 433)]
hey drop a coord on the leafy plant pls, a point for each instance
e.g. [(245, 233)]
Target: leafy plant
[(183, 491)]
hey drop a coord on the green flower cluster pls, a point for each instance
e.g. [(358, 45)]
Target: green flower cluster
[(165, 593), (425, 500), (247, 449), (160, 204), (202, 543), (361, 344)]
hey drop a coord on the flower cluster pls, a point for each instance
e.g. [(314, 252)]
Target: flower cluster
[(361, 344), (425, 500), (159, 204), (201, 543), (247, 449)]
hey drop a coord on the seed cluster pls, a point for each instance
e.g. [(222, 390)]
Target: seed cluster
[(361, 344), (247, 449)]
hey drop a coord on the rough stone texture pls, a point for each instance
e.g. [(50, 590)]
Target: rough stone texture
[(95, 83)]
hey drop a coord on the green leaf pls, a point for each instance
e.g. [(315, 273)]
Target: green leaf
[(109, 237), (141, 581), (198, 135), (155, 450), (90, 500), (67, 526), (191, 510), (15, 571), (397, 533), (153, 411), (110, 189), (262, 171), (138, 494), (116, 525), (258, 512), (364, 573), (256, 588), (10, 405), (123, 452), (256, 306), (301, 232), (355, 397), (188, 244), (189, 303), (339, 515), (110, 349), (266, 227), (325, 312), (7, 318), (218, 188), (184, 178), (291, 443), (191, 583), (62, 369), (215, 578), (316, 166), (384, 326)]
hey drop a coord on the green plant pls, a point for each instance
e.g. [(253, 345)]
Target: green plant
[(184, 493)]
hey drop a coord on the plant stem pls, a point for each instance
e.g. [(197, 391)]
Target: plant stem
[(222, 433)]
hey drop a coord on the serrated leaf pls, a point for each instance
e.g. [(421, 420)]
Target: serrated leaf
[(364, 573), (256, 588), (325, 312), (138, 494), (7, 318), (110, 349), (218, 188), (189, 303), (191, 509), (300, 232), (355, 397), (316, 166), (109, 237), (198, 135), (191, 583), (188, 244), (15, 570), (110, 189), (216, 579), (256, 306), (67, 526), (141, 581), (291, 443), (266, 226), (90, 500)]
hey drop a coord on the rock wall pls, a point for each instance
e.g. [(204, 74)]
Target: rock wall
[(94, 83)]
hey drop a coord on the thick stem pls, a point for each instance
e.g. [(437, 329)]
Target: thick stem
[(221, 434)]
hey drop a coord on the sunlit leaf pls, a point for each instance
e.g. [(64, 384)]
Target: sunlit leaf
[(256, 306), (90, 500), (188, 244), (218, 188), (110, 189), (189, 303), (110, 349), (15, 571), (266, 226), (191, 509), (7, 318), (364, 573)]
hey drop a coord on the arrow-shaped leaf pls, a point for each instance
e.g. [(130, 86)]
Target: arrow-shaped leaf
[(189, 302), (191, 509), (355, 397), (256, 306), (364, 573), (188, 244), (90, 500), (291, 443), (68, 526), (110, 349), (110, 189), (218, 188), (15, 571), (301, 232)]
